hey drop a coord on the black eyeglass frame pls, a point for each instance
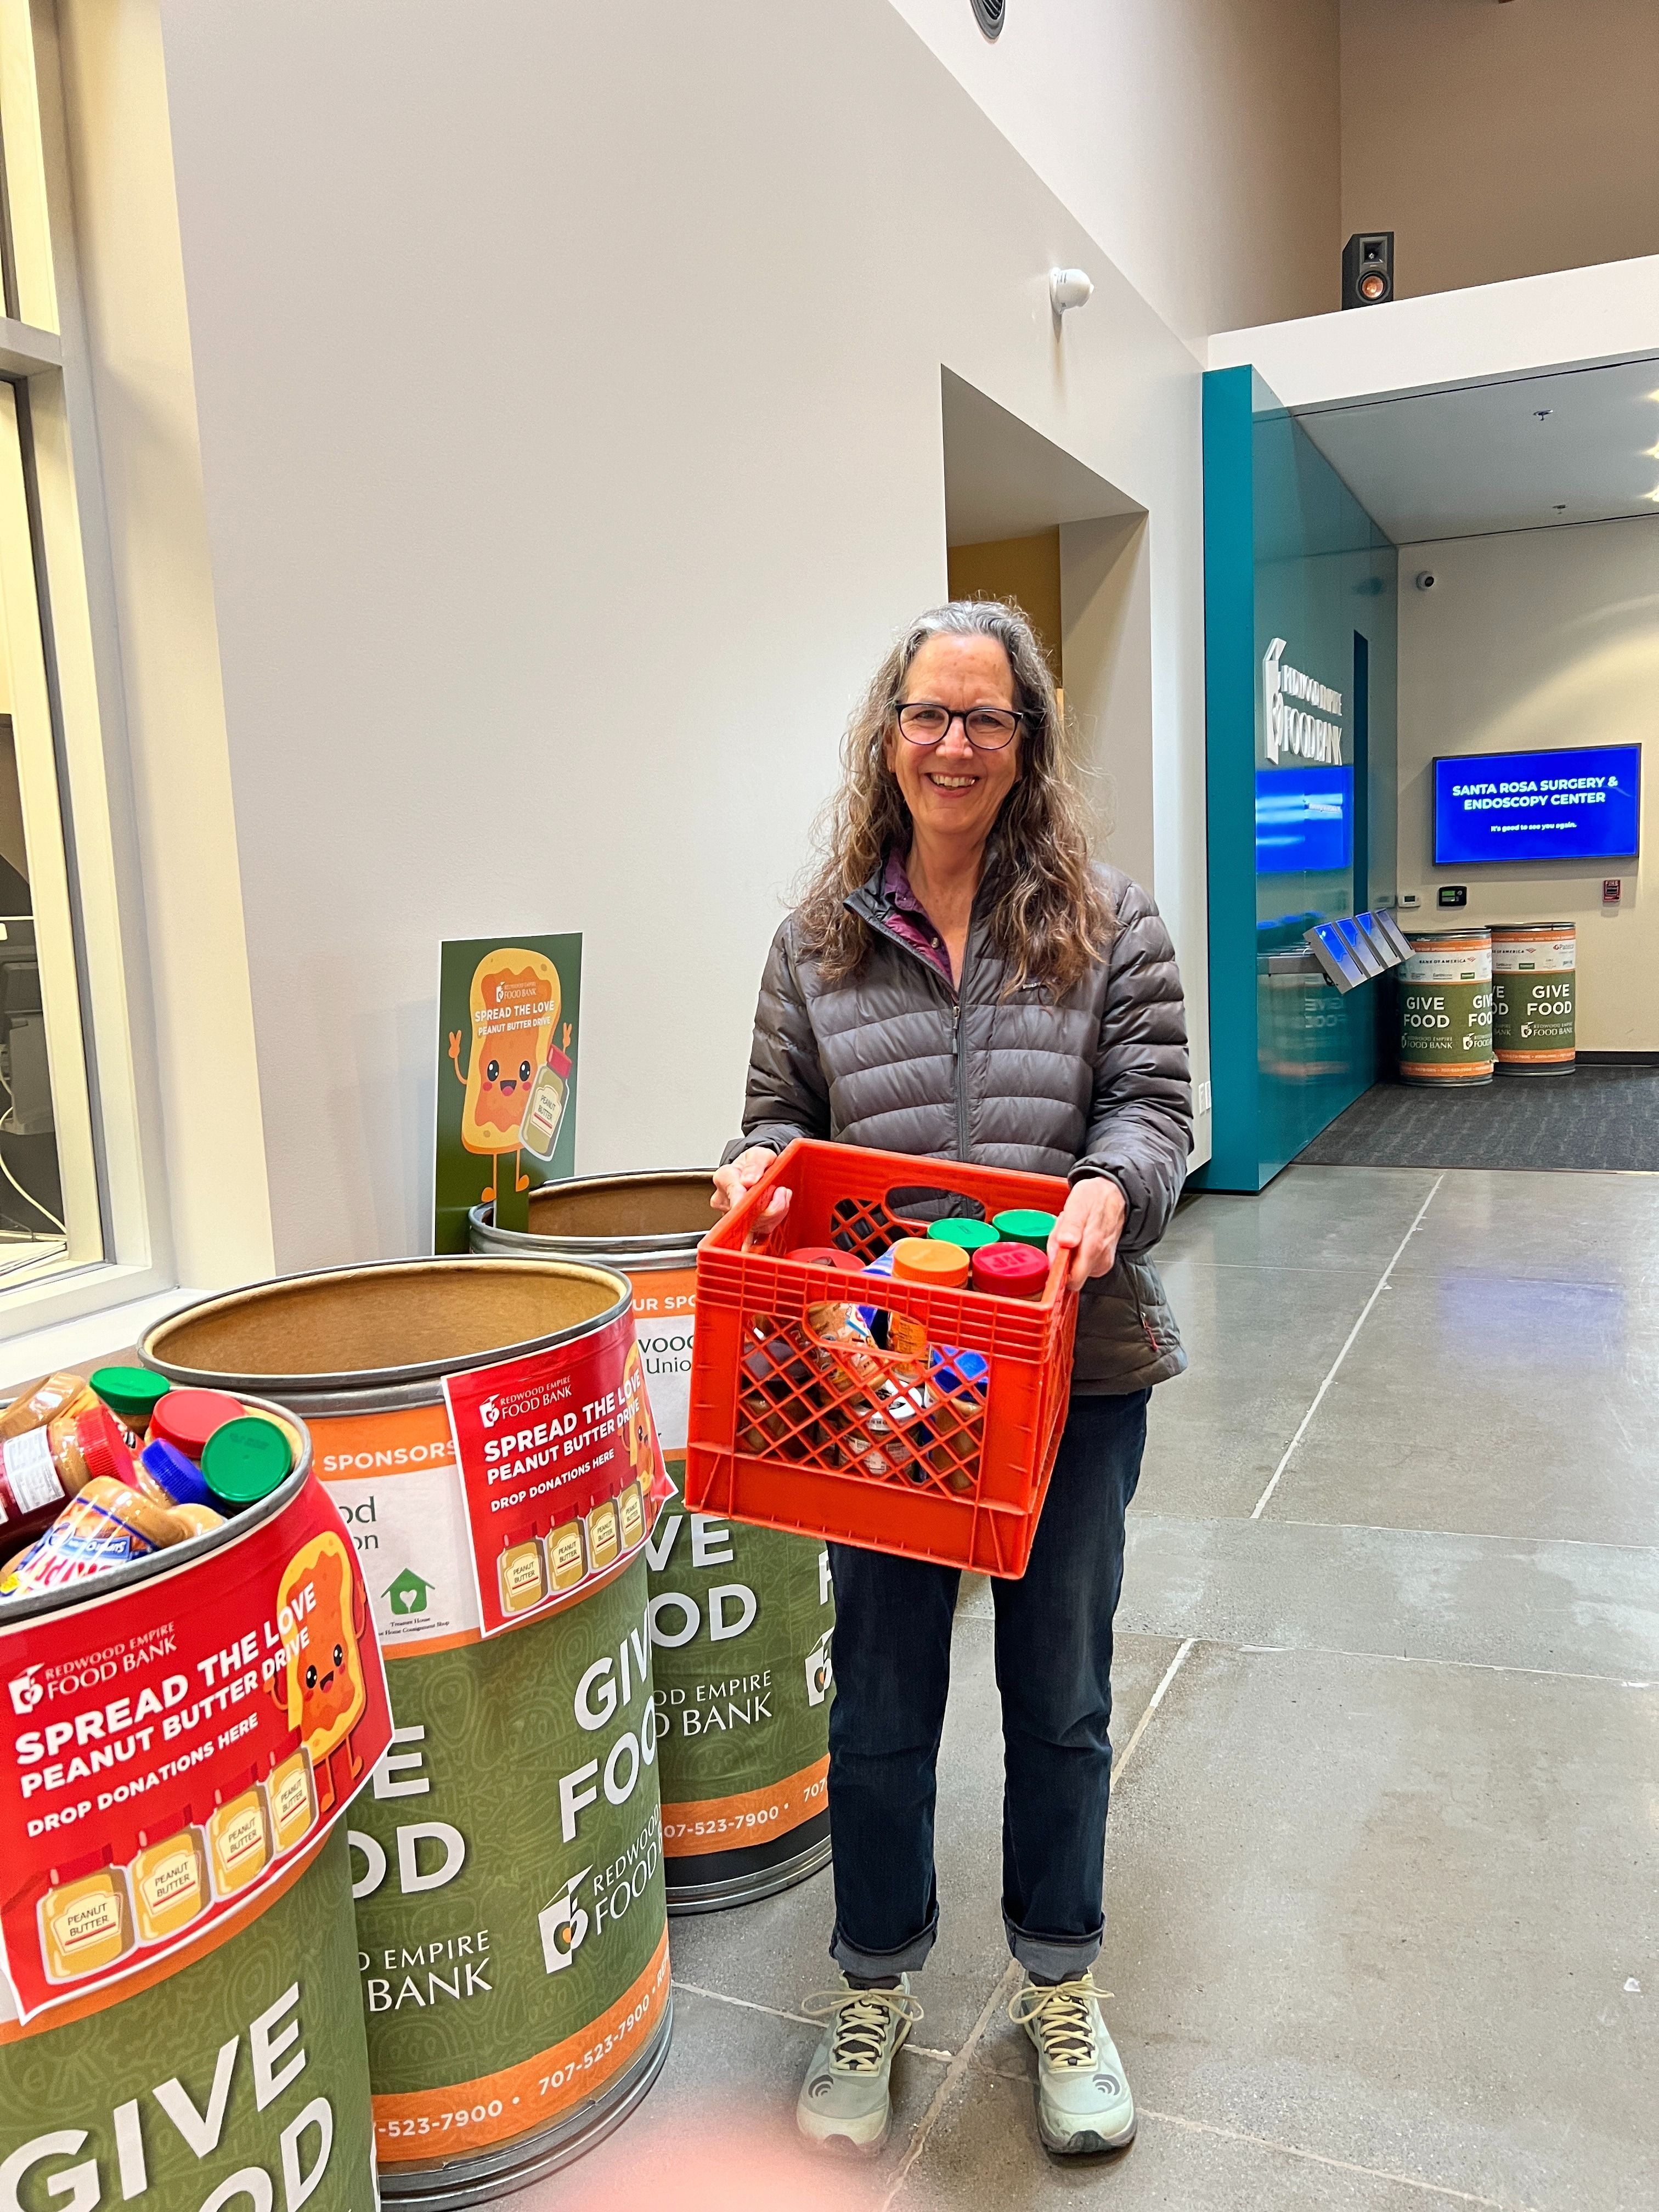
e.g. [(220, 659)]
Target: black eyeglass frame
[(1020, 715)]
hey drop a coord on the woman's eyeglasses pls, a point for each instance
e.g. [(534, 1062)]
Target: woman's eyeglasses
[(987, 729)]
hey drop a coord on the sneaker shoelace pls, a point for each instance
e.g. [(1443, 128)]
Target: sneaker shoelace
[(1064, 2016), (863, 2019)]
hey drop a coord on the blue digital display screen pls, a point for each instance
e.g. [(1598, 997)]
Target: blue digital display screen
[(1304, 820), (1579, 804)]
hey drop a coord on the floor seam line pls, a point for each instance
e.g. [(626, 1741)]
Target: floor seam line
[(1152, 1704), (1365, 1313), (1143, 1517), (953, 2073), (776, 2012), (1341, 2165)]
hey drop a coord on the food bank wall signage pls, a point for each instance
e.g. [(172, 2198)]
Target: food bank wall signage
[(1301, 718), (508, 1013), (169, 1748)]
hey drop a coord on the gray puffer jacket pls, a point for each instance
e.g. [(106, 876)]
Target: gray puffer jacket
[(1095, 1084)]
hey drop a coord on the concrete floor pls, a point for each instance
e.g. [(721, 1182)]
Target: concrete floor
[(1383, 1864)]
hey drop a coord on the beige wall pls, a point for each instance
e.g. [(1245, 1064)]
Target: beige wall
[(572, 451), (1534, 639), (1197, 142), (1500, 140)]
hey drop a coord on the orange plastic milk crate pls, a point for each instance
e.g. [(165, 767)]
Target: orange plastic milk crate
[(799, 1421)]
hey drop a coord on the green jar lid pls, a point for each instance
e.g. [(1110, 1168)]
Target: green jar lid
[(131, 1393), (967, 1235), (1026, 1225), (246, 1460)]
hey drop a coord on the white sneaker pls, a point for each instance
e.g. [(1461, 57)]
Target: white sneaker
[(1084, 2102), (845, 2099)]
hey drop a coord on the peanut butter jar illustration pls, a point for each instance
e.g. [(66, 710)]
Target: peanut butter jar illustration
[(567, 1561), (522, 1573), (239, 1837), (603, 1544), (85, 1917), (291, 1795), (630, 1514), (170, 1883)]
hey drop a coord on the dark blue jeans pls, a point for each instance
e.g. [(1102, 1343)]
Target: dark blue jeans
[(1053, 1664)]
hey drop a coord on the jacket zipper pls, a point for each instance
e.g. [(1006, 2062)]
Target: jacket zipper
[(959, 1058)]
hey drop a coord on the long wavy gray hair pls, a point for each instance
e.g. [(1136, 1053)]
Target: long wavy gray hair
[(1050, 919)]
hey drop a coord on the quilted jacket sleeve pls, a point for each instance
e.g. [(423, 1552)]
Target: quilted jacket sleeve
[(787, 1096), (1140, 1123)]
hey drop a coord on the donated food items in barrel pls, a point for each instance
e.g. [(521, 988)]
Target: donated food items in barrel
[(913, 1408), (740, 1617), (482, 1428), (194, 1696), (1534, 967), (1445, 1008)]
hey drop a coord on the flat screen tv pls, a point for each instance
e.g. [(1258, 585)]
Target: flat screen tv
[(1304, 820), (1581, 805)]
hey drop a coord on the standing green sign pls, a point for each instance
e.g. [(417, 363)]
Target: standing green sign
[(508, 1013)]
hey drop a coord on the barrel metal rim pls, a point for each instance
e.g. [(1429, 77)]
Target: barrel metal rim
[(1535, 928), (381, 1389), (175, 1556), (652, 1251), (1442, 936)]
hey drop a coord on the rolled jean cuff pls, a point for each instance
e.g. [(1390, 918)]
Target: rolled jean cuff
[(1052, 1958), (875, 1965)]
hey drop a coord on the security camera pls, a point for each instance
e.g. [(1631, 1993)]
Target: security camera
[(1425, 580), (1069, 287)]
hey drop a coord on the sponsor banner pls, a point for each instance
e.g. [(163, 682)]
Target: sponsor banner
[(560, 1468), (508, 1867), (170, 1747), (392, 1477), (741, 1621), (234, 2081), (664, 1311)]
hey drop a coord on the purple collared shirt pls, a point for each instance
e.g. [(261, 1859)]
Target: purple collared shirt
[(910, 919)]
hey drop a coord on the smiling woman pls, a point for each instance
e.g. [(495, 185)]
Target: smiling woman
[(960, 982)]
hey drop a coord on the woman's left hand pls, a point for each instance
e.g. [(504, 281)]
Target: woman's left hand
[(1089, 1224)]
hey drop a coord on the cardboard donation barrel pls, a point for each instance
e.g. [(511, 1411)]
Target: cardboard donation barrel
[(1533, 977), (179, 2023), (740, 1617), (512, 1939), (1445, 1008)]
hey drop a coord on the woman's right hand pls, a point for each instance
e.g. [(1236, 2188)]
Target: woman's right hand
[(741, 1175)]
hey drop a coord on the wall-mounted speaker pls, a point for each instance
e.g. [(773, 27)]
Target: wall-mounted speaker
[(1368, 268)]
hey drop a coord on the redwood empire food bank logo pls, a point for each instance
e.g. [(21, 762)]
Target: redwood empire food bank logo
[(26, 1692), (1287, 729)]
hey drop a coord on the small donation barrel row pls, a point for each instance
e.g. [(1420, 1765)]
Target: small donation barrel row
[(179, 2017), (1534, 980), (740, 1617), (507, 1863), (1446, 1008)]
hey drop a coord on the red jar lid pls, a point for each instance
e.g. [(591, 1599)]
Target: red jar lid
[(187, 1419), (1007, 1271), (103, 1444), (827, 1255)]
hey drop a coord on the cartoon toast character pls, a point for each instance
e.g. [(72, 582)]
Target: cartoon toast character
[(514, 1004), (322, 1685)]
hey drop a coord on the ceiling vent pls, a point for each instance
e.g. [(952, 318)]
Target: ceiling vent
[(989, 14)]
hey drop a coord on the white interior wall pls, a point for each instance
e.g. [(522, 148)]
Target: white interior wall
[(1106, 648), (1499, 141), (1533, 639), (572, 452), (1198, 144)]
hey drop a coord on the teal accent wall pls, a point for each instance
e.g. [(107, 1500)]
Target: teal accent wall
[(1289, 554)]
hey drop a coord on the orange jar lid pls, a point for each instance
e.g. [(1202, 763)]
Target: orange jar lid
[(923, 1260)]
